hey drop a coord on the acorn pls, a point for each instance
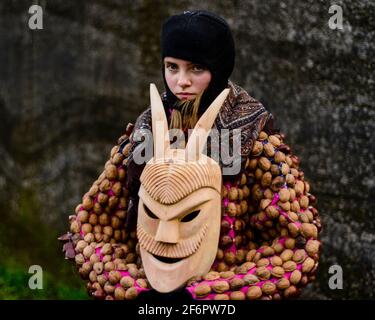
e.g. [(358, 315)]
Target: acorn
[(89, 237), (276, 261), (299, 256), (92, 276), (272, 212), (240, 256), (285, 206), (75, 227), (269, 150), (268, 288), (299, 187), (121, 214), (262, 136), (283, 284), (295, 277), (221, 267), (202, 290), (284, 169), (243, 208), (268, 194), (258, 174), (290, 292), (295, 207), (250, 279), (309, 230), (236, 283), (274, 140), (279, 157), (94, 258), (275, 170), (142, 283), (277, 272), (108, 230), (88, 251), (102, 198), (257, 148), (233, 194), (112, 202), (257, 192), (121, 174), (127, 282), (264, 164), (227, 274), (81, 244), (220, 286), (117, 158), (304, 202), (133, 271), (263, 273), (109, 266), (308, 265), (293, 229), (312, 247), (229, 258), (232, 209), (286, 255), (110, 172), (117, 188), (294, 172), (250, 255), (289, 266), (284, 195), (120, 293), (277, 183), (246, 191), (104, 186), (237, 295), (254, 293), (79, 259), (93, 219), (85, 269), (266, 179), (83, 216), (221, 296), (264, 262)]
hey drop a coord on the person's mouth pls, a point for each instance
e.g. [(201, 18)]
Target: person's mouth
[(185, 94)]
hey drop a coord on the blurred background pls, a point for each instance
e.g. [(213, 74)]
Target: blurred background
[(67, 92)]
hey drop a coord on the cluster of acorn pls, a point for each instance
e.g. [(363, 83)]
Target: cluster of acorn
[(281, 203), (104, 253), (275, 230), (270, 272)]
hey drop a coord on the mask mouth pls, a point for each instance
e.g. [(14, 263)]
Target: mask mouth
[(166, 259)]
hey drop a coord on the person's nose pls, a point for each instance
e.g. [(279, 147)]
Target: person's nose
[(184, 80)]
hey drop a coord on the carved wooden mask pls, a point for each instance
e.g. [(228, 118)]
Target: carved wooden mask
[(179, 210)]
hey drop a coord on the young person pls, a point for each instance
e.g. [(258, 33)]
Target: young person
[(268, 247)]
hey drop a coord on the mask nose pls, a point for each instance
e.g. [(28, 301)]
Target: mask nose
[(168, 232)]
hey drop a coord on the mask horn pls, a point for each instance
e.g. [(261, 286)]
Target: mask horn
[(159, 124), (201, 130)]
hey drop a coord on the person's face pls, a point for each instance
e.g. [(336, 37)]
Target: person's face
[(185, 79)]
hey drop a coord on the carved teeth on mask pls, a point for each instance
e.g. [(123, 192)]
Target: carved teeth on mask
[(182, 249)]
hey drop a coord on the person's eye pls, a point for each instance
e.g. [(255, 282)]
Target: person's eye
[(172, 67), (198, 68)]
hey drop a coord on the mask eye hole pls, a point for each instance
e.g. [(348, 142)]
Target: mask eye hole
[(190, 216), (149, 212)]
